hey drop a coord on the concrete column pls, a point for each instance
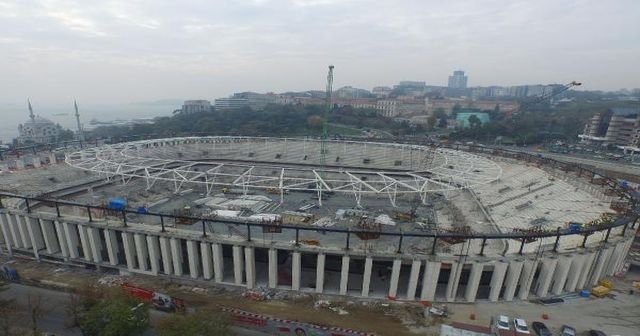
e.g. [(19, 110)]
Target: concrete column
[(96, 244), (176, 253), (154, 253), (238, 264), (129, 250), (13, 228), (273, 268), (194, 258), (575, 270), (50, 237), (546, 275), (454, 280), (560, 276), (84, 242), (218, 262), (366, 277), (616, 255), (112, 246), (497, 279), (142, 251), (35, 236), (474, 281), (165, 251), (19, 164), (295, 270), (6, 232), (344, 275), (72, 239), (52, 158), (413, 279), (22, 230), (207, 261), (320, 273), (250, 266), (430, 280), (601, 263), (62, 239), (395, 276), (513, 277), (589, 264), (526, 279)]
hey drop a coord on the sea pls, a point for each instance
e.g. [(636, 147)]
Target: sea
[(11, 115)]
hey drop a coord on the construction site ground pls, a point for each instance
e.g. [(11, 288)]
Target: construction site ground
[(617, 314)]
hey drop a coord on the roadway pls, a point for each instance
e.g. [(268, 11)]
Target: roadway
[(54, 304)]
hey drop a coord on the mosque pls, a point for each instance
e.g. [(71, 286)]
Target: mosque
[(37, 129)]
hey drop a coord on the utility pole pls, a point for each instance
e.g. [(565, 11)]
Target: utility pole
[(327, 111)]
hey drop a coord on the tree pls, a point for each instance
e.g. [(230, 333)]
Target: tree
[(101, 312), (431, 121), (474, 121), (201, 323)]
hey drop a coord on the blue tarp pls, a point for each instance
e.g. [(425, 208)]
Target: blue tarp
[(117, 204)]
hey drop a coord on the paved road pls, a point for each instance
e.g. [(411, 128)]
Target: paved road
[(54, 304)]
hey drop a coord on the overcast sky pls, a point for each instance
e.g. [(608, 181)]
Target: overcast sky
[(126, 51)]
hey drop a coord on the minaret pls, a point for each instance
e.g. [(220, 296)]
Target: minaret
[(31, 115), (80, 133)]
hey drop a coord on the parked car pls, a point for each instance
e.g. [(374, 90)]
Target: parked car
[(521, 326), (567, 331), (540, 329), (502, 322), (593, 332)]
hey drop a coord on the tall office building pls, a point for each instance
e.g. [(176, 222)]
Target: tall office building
[(458, 80)]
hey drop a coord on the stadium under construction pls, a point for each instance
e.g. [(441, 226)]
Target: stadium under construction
[(362, 219)]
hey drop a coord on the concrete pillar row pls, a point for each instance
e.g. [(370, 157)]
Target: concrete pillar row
[(514, 272), (320, 273), (295, 270), (84, 242), (474, 281), (497, 279), (70, 231), (430, 280), (238, 265), (561, 274), (273, 268), (194, 259), (142, 251), (49, 235), (207, 260), (22, 231), (176, 254), (601, 261), (129, 250), (454, 280), (35, 235), (344, 275), (366, 276), (112, 246), (589, 266), (395, 276), (546, 276), (95, 244), (413, 279), (154, 254), (218, 262), (575, 270), (167, 258), (250, 266), (14, 231), (6, 233), (526, 278), (62, 239)]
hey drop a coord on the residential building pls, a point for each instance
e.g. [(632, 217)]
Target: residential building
[(458, 80), (257, 101), (349, 92), (357, 102), (196, 106), (381, 91), (230, 103), (505, 106), (388, 107), (616, 126)]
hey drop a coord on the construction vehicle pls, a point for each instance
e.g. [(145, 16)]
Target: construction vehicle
[(158, 300)]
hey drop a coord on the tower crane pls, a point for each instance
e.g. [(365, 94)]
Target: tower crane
[(327, 110), (547, 95)]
